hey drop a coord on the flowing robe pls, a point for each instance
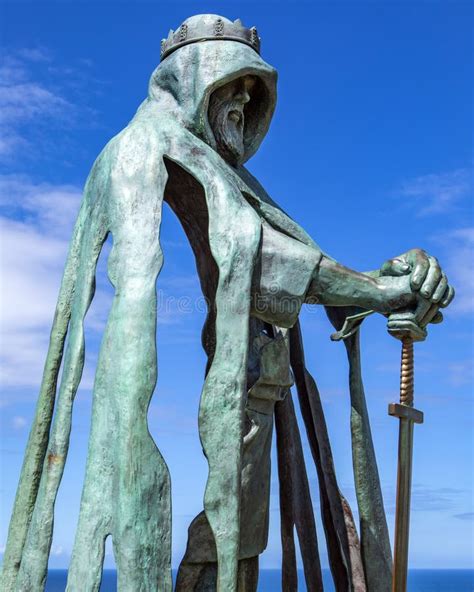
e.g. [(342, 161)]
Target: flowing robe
[(167, 152)]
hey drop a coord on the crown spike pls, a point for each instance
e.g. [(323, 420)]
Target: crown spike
[(183, 32), (219, 28), (254, 38), (209, 27)]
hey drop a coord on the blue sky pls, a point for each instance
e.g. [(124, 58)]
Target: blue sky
[(370, 150)]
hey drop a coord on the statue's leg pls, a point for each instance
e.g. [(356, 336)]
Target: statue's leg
[(206, 576), (248, 574), (198, 569)]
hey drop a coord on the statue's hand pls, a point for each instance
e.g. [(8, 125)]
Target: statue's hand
[(427, 278)]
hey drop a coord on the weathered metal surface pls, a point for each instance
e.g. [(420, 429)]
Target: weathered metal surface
[(209, 106), (295, 503), (357, 566), (269, 378), (331, 504), (374, 538)]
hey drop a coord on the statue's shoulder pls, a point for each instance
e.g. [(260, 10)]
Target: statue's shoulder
[(136, 149), (141, 137)]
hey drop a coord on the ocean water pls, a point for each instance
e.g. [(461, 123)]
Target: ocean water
[(419, 580)]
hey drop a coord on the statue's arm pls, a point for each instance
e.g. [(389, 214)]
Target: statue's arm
[(334, 284), (400, 282)]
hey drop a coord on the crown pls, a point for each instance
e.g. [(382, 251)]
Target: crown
[(209, 27)]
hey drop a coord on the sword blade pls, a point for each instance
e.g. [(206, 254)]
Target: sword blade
[(402, 515)]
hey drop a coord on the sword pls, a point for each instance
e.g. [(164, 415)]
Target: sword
[(402, 327)]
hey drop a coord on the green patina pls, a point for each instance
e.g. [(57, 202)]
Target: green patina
[(257, 268)]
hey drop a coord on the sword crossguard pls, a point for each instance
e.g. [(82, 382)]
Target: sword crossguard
[(405, 412)]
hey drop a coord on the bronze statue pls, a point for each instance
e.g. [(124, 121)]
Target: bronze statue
[(209, 106)]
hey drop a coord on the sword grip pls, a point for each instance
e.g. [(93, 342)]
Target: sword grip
[(407, 373)]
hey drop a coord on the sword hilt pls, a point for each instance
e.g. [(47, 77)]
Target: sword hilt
[(403, 327), (405, 409)]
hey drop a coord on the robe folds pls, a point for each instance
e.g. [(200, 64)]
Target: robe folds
[(240, 239)]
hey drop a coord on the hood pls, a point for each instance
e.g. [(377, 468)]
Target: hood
[(184, 81)]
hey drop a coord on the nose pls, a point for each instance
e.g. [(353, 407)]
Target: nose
[(243, 96)]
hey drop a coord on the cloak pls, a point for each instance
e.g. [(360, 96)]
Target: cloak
[(167, 152)]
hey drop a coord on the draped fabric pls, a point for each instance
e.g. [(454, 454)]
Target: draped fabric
[(167, 153)]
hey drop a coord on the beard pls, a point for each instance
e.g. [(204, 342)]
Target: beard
[(227, 133)]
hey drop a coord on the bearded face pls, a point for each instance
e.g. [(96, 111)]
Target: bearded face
[(227, 117)]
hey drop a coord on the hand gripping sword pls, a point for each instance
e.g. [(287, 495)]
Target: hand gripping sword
[(403, 327)]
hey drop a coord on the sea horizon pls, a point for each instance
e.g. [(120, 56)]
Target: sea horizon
[(419, 580)]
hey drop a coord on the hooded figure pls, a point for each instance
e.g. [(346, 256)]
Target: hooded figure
[(256, 267)]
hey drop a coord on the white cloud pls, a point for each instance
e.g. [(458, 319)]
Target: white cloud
[(30, 264), (440, 194), (35, 92), (464, 234), (459, 266), (12, 70), (27, 100), (36, 219), (57, 550), (24, 100), (19, 422), (30, 267), (35, 230), (35, 54), (10, 142), (460, 373), (437, 193), (50, 209), (36, 222), (32, 255)]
